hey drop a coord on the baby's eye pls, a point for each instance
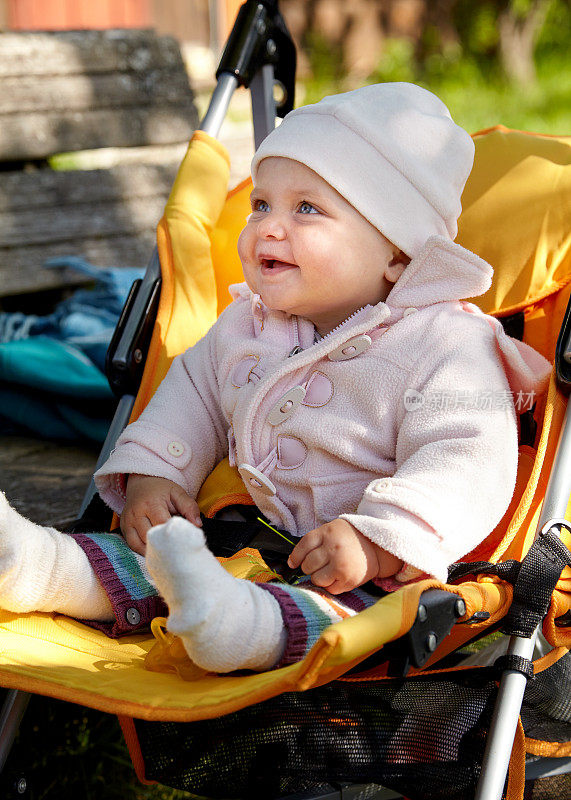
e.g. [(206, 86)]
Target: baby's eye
[(260, 205), (306, 208)]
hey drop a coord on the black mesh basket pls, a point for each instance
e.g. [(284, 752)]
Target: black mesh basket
[(420, 736), (423, 737)]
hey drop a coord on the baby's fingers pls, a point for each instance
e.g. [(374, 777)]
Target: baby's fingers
[(333, 585), (136, 536), (309, 542), (185, 505), (324, 577), (316, 560), (135, 525)]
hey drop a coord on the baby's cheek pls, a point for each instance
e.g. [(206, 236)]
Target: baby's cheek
[(247, 256), (242, 244)]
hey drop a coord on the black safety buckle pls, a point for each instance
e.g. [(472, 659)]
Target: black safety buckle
[(437, 613)]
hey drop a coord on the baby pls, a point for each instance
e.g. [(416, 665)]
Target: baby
[(368, 409)]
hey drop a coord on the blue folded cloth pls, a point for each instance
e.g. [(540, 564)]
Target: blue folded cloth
[(52, 367)]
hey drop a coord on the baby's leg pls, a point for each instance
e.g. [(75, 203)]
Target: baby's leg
[(226, 623), (42, 569)]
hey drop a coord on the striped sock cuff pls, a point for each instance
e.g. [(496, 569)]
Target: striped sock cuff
[(307, 610), (123, 575)]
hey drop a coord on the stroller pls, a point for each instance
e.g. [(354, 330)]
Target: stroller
[(382, 700)]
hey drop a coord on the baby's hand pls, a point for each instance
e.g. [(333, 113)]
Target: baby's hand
[(339, 558), (151, 501)]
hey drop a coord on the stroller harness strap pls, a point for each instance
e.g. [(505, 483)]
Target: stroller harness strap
[(538, 575), (506, 570), (515, 663), (534, 579)]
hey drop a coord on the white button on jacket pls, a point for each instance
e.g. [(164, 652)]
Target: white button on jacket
[(351, 348), (286, 405), (256, 480)]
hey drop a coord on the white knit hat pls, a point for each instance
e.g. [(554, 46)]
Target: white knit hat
[(391, 149)]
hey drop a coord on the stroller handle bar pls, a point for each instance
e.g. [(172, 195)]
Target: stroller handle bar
[(512, 685), (219, 102), (260, 38), (259, 50)]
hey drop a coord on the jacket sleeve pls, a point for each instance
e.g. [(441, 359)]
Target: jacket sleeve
[(182, 433), (456, 455)]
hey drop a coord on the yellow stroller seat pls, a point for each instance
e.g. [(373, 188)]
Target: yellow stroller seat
[(62, 658), (249, 733)]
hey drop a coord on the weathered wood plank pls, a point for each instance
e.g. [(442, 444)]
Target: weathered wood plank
[(83, 90), (86, 91), (21, 268), (72, 52), (46, 188), (39, 135), (107, 216), (86, 220)]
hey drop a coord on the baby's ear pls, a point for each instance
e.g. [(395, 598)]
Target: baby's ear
[(396, 266)]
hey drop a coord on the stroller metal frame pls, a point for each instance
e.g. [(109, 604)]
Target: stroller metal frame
[(259, 54)]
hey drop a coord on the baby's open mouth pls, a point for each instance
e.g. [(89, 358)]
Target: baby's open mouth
[(273, 265)]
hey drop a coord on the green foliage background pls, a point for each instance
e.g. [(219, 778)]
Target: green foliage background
[(468, 75)]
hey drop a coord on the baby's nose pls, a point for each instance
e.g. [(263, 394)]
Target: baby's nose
[(272, 226)]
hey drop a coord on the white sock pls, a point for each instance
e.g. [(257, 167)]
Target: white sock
[(42, 569), (225, 623)]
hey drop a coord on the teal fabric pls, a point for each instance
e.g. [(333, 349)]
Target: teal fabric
[(52, 382), (52, 366)]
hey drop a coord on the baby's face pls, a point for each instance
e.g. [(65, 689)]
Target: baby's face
[(306, 251)]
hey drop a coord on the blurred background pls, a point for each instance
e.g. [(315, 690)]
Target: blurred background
[(491, 61)]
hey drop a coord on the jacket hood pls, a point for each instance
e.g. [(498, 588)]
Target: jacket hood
[(443, 271)]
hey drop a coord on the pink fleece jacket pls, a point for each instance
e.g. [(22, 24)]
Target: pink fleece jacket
[(401, 420)]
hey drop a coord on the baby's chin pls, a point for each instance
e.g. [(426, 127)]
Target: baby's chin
[(273, 304), (273, 300)]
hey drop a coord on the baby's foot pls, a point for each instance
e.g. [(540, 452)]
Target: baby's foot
[(42, 569), (224, 622), (25, 548)]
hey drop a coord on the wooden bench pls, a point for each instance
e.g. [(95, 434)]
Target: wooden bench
[(75, 91)]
